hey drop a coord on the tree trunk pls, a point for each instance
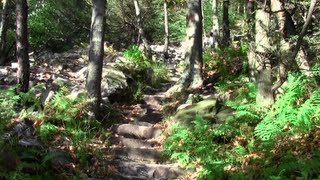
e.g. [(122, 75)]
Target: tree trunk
[(146, 47), (3, 30), (192, 78), (166, 29), (204, 35), (215, 22), (250, 35), (264, 96), (96, 53), (226, 25), (289, 52), (23, 73)]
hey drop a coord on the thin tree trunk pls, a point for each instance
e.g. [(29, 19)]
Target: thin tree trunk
[(203, 23), (304, 28), (96, 53), (296, 53), (141, 35), (215, 22), (3, 30), (23, 73), (250, 35), (226, 24), (264, 97), (192, 78), (166, 29)]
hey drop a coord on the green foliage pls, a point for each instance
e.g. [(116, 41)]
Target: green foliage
[(227, 62), (144, 71), (276, 143), (28, 162), (199, 144), (8, 102), (295, 112), (58, 25), (63, 116), (133, 53)]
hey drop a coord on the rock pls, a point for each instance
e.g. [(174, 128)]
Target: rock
[(25, 132), (137, 154), (60, 161), (46, 96), (113, 79), (223, 114), (207, 108), (141, 132), (82, 73), (131, 143), (135, 170)]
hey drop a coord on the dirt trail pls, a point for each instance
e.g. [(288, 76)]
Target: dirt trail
[(135, 146)]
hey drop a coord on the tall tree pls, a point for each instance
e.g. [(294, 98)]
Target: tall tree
[(22, 46), (290, 52), (3, 30), (225, 24), (141, 34), (250, 35), (264, 97), (192, 78), (96, 53), (215, 20), (166, 28)]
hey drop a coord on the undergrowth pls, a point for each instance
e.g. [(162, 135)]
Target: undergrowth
[(62, 120), (280, 142), (144, 71)]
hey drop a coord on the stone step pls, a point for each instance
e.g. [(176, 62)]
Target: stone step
[(132, 143), (137, 131), (134, 170), (136, 154)]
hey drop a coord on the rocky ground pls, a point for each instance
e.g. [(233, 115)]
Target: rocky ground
[(135, 149)]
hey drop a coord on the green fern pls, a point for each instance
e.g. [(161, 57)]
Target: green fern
[(295, 110)]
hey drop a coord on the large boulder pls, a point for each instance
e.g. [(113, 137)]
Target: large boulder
[(115, 84), (210, 108)]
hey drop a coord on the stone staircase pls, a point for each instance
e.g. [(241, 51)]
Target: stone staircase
[(135, 150)]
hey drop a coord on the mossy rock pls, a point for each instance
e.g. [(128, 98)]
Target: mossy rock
[(210, 109), (205, 108)]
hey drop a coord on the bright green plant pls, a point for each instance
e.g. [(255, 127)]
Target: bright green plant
[(8, 101), (200, 145), (297, 109), (228, 62)]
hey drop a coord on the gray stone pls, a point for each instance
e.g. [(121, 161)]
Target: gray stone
[(132, 143), (206, 108), (134, 170), (137, 154), (141, 132)]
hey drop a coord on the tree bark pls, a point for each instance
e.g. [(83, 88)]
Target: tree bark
[(3, 30), (215, 21), (226, 24), (264, 97), (250, 35), (146, 47), (22, 56), (96, 53), (289, 54), (166, 29), (192, 78), (304, 28)]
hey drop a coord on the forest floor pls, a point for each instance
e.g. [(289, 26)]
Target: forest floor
[(134, 150), (137, 141)]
